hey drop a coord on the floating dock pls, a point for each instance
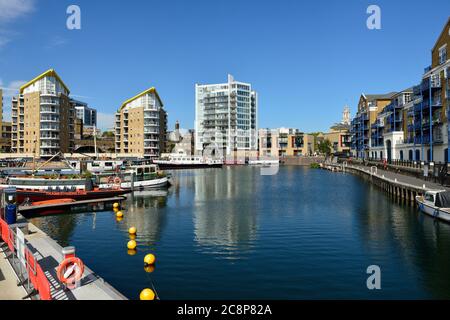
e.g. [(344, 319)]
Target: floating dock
[(28, 209), (48, 255)]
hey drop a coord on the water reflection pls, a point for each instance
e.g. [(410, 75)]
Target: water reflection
[(232, 233), (396, 234), (224, 210), (59, 227), (145, 211)]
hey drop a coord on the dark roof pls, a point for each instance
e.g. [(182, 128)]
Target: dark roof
[(385, 96), (340, 126)]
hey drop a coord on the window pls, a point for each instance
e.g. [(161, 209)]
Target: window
[(429, 197), (443, 54)]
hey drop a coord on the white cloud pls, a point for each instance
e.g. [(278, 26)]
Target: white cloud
[(105, 120), (3, 40), (56, 42), (13, 9)]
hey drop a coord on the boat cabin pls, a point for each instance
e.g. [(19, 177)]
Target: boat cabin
[(439, 198), (98, 166), (144, 169)]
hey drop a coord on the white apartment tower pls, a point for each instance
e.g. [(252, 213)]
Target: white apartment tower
[(226, 117)]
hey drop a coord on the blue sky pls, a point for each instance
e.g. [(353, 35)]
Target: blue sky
[(306, 59)]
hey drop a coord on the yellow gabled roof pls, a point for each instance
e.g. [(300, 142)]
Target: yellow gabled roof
[(150, 90), (48, 73)]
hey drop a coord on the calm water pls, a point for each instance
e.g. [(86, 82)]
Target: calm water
[(234, 234)]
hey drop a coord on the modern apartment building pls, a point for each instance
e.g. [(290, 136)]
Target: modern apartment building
[(431, 122), (340, 138), (141, 125), (389, 131), (285, 142), (414, 125), (1, 105), (42, 117), (5, 129), (369, 106), (339, 135), (226, 118), (85, 113)]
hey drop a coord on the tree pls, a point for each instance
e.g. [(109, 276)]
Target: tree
[(108, 134), (324, 147)]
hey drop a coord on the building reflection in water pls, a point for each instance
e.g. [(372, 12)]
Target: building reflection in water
[(145, 211), (59, 227), (225, 213)]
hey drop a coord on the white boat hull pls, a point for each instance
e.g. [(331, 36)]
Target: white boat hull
[(433, 211), (139, 185)]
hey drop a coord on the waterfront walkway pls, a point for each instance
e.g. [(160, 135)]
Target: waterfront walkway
[(401, 178), (48, 254), (8, 281)]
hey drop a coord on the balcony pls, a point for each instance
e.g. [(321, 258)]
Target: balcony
[(49, 145), (417, 90), (434, 81), (49, 120), (435, 103), (49, 128), (417, 108), (151, 130), (46, 137)]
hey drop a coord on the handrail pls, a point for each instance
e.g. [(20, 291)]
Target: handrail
[(35, 273)]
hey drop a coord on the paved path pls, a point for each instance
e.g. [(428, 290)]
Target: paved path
[(8, 281), (418, 183)]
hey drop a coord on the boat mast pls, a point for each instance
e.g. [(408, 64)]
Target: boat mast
[(95, 142)]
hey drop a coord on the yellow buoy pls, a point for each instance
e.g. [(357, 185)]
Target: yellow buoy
[(118, 219), (147, 294), (131, 245), (132, 230), (149, 259), (149, 268), (116, 205), (132, 252), (132, 236), (119, 214)]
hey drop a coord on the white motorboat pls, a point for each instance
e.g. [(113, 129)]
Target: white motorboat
[(264, 162), (435, 204), (183, 161), (145, 177)]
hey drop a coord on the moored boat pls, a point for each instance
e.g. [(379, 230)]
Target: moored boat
[(435, 204), (45, 195), (183, 161), (264, 162), (140, 177)]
